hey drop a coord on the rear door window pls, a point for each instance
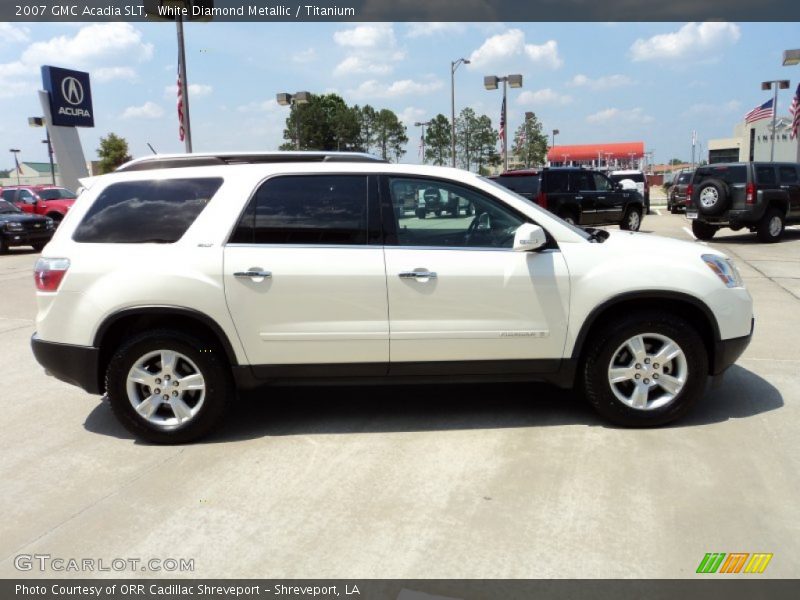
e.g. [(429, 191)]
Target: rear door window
[(732, 175), (765, 174), (524, 185), (788, 174), (138, 212), (581, 181), (557, 182)]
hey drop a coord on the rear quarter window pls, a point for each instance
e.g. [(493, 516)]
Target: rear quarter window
[(150, 211), (732, 175), (528, 186)]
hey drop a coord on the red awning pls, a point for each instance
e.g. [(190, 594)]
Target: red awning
[(622, 150)]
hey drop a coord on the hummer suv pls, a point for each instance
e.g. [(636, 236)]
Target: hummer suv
[(177, 280)]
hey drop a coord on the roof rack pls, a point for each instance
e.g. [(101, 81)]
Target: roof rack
[(177, 161)]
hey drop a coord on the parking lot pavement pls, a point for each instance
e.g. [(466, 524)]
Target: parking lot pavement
[(450, 481)]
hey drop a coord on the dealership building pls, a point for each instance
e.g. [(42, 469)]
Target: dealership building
[(612, 155), (753, 141)]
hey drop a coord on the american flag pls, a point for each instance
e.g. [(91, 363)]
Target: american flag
[(794, 110), (760, 112), (503, 123), (421, 146), (16, 162), (181, 120)]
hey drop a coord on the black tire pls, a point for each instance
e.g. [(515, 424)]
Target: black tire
[(438, 212), (3, 245), (703, 231), (569, 217), (421, 213), (605, 345), (57, 218), (39, 246), (711, 197), (210, 362), (632, 220), (771, 226)]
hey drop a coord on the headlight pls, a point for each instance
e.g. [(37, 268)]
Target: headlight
[(14, 226), (49, 223), (724, 269)]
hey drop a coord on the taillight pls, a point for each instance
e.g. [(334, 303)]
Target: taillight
[(689, 192), (49, 272), (750, 198), (541, 199)]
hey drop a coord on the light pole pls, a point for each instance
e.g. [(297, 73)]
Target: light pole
[(791, 58), (422, 124), (768, 85), (555, 133), (453, 66), (16, 151), (39, 122), (285, 99), (490, 83)]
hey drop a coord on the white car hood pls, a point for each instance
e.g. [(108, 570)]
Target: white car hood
[(649, 244)]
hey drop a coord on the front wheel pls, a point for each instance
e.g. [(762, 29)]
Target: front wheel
[(632, 220), (644, 370), (168, 387), (770, 228)]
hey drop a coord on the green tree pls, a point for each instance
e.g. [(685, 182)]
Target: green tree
[(530, 142), (437, 141), (367, 117), (390, 135), (113, 152), (486, 139), (676, 161), (466, 144), (326, 123)]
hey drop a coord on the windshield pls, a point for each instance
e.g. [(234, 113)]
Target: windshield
[(56, 194), (684, 178), (581, 232), (7, 207)]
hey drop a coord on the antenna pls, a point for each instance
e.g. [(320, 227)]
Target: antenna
[(153, 150)]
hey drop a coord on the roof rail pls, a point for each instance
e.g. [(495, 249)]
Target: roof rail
[(177, 161)]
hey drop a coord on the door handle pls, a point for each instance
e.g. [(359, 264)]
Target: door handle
[(578, 197), (417, 275), (253, 273), (601, 197)]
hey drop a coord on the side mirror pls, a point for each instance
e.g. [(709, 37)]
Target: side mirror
[(529, 237)]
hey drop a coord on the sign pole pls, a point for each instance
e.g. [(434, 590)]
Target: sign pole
[(184, 88)]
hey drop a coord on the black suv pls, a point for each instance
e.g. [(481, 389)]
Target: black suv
[(20, 229), (579, 196), (762, 196)]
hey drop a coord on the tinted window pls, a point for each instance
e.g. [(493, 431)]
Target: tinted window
[(306, 209), (476, 221), (557, 181), (137, 212), (7, 207), (527, 185), (56, 193), (765, 174), (788, 174), (684, 178), (637, 177), (736, 174), (601, 184), (8, 195), (581, 182)]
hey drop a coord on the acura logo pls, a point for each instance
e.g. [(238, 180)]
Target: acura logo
[(72, 90)]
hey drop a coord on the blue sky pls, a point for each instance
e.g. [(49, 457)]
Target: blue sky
[(594, 82)]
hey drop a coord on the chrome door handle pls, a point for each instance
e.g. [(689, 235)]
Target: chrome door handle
[(601, 197), (253, 273), (418, 275), (578, 197)]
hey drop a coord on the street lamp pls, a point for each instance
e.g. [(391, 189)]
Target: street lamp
[(490, 83), (16, 151), (775, 84), (422, 124), (555, 133), (39, 122), (453, 66), (791, 58), (285, 99)]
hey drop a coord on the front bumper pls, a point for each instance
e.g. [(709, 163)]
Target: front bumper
[(77, 365), (726, 352), (26, 238)]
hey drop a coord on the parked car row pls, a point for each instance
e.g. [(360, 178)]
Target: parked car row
[(579, 196), (30, 213)]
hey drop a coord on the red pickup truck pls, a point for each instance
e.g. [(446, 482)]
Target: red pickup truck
[(46, 200)]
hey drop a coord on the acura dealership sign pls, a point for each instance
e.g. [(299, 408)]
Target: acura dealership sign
[(70, 97)]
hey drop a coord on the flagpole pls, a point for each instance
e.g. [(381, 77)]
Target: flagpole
[(505, 126), (774, 117), (184, 88)]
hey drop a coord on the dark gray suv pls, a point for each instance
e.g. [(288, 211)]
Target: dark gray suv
[(762, 196)]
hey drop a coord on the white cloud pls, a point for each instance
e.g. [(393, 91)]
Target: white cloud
[(148, 110), (10, 33), (710, 110), (511, 44), (616, 115), (692, 41), (305, 56), (432, 28), (543, 97), (265, 106), (196, 90), (410, 115), (606, 82), (373, 89), (366, 36), (357, 64), (111, 73)]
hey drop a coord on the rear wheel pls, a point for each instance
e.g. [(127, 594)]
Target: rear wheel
[(632, 220), (421, 213), (771, 227), (703, 231), (168, 387), (569, 217), (3, 245), (646, 369), (39, 247)]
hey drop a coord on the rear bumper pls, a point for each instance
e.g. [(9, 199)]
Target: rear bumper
[(77, 365), (727, 352)]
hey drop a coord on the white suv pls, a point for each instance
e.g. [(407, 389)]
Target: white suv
[(175, 280)]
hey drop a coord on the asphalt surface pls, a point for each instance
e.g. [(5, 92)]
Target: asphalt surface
[(449, 481)]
